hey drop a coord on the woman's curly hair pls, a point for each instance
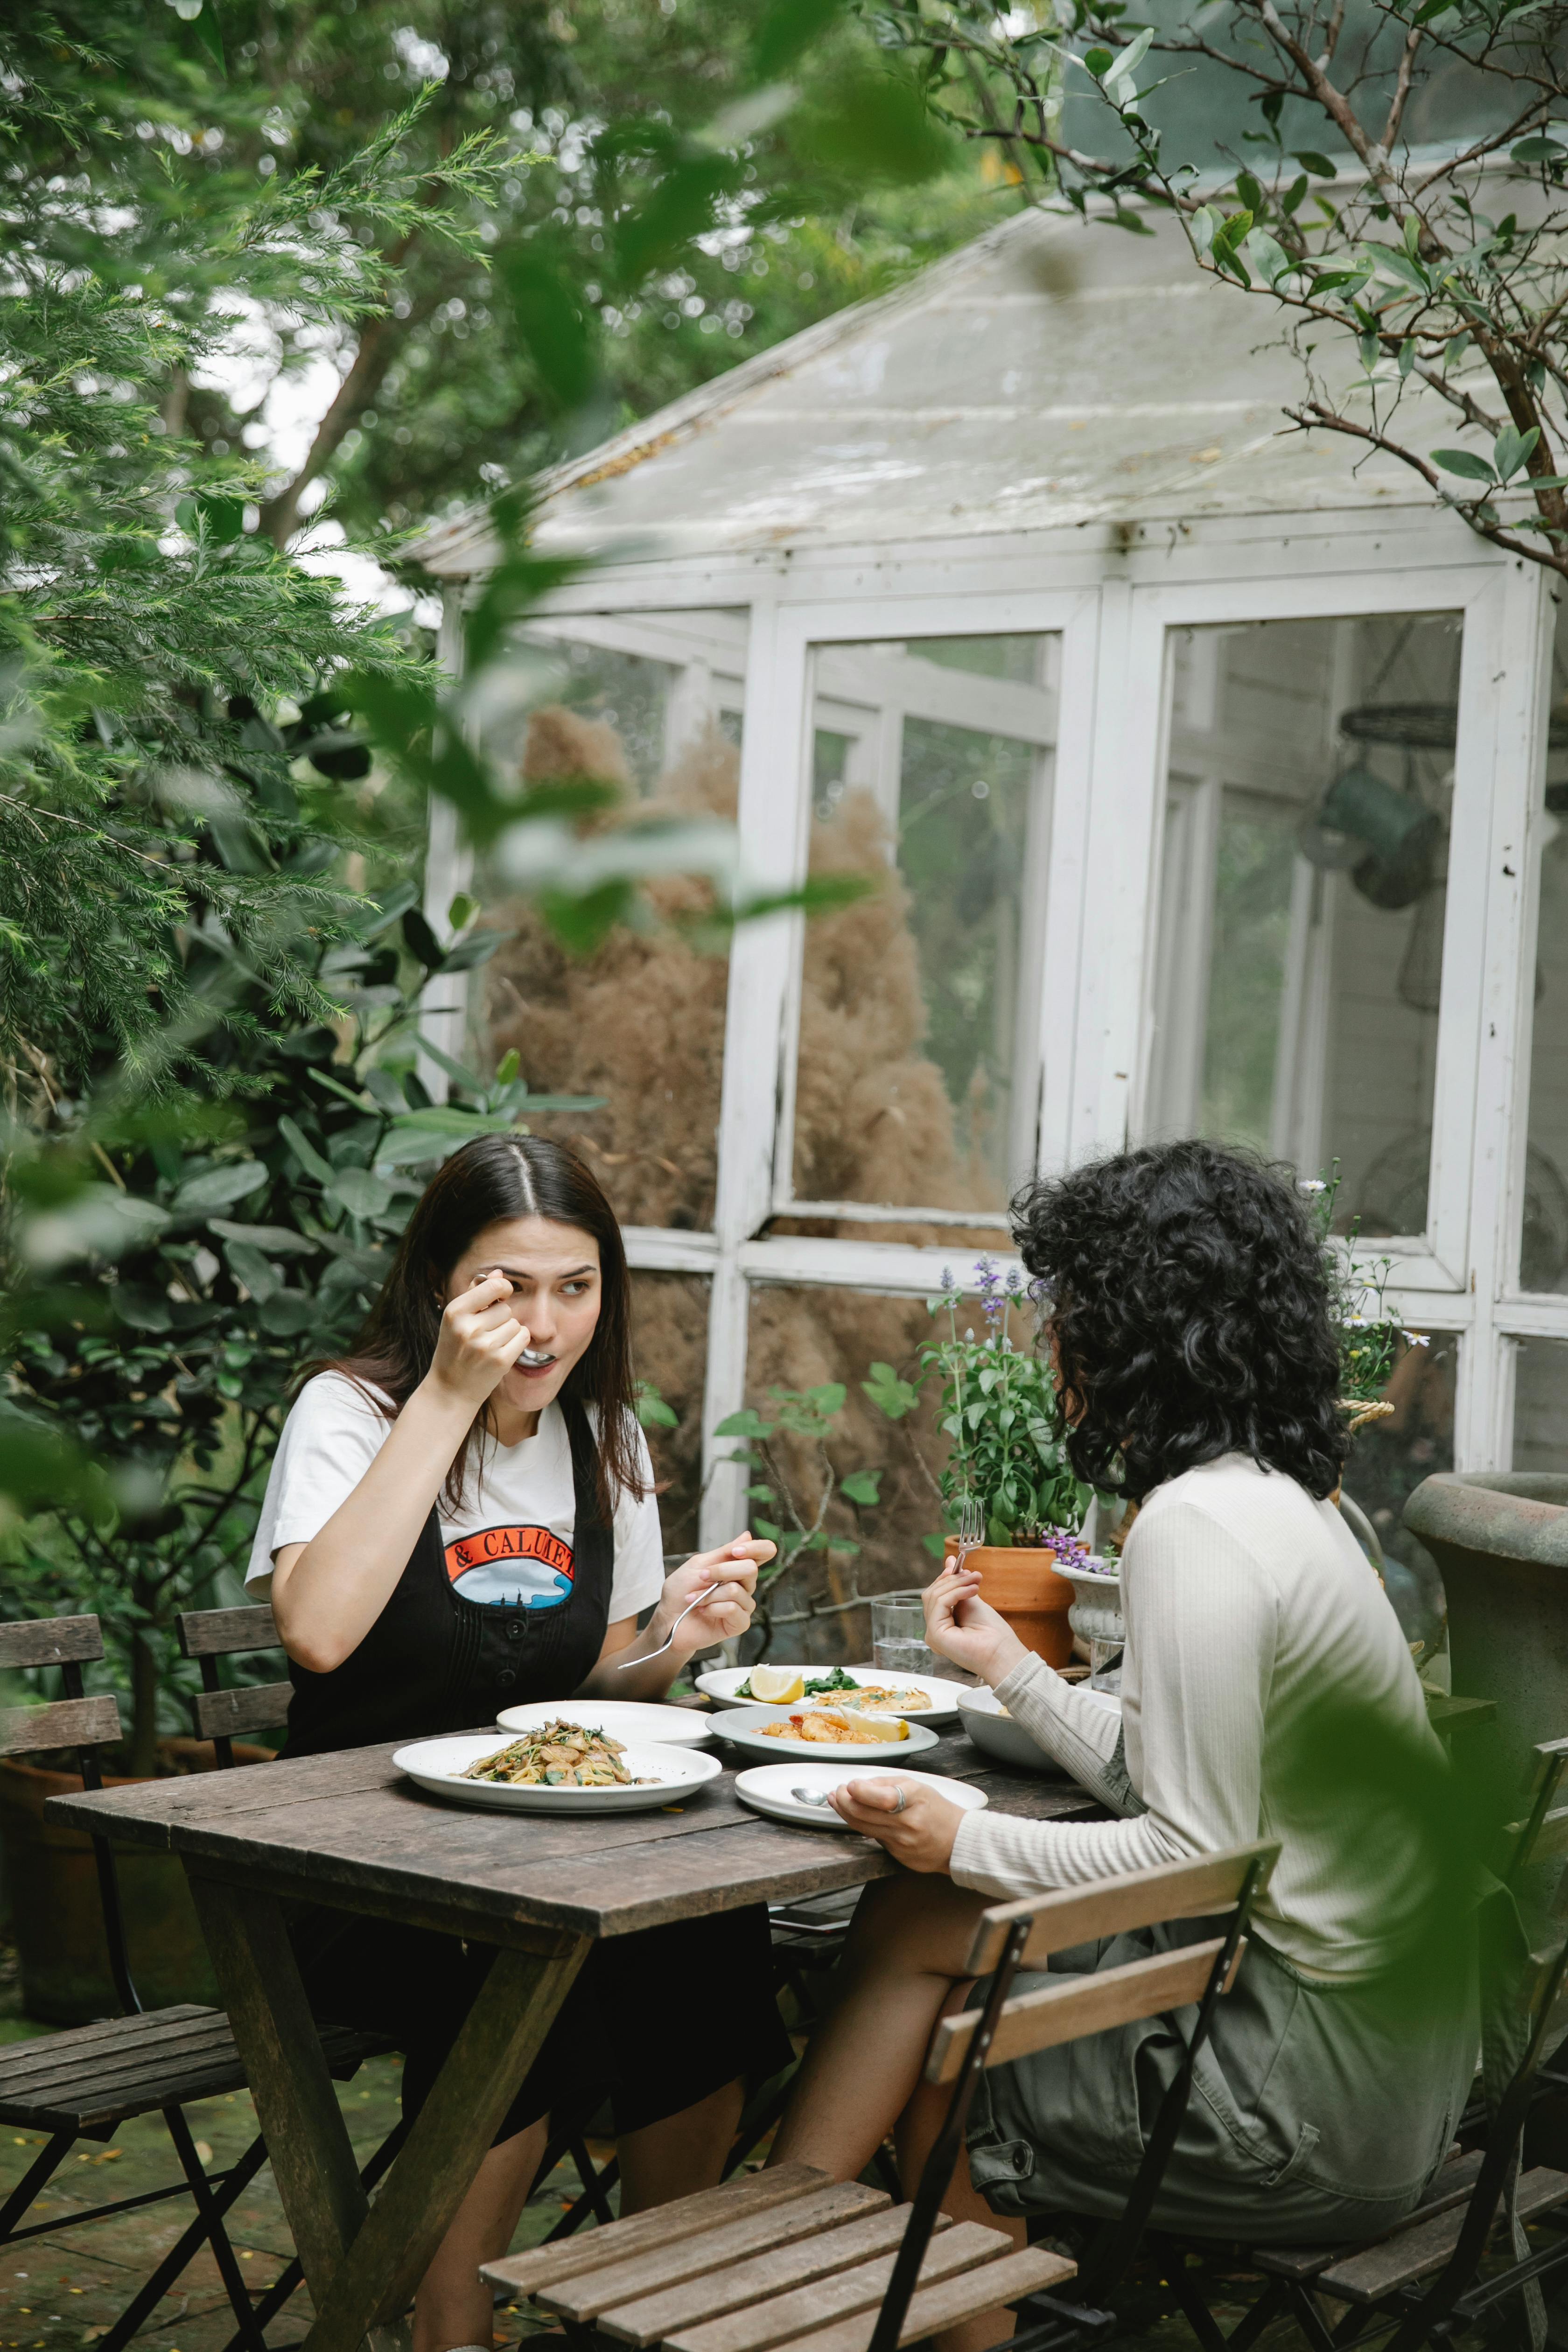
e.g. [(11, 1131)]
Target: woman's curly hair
[(1187, 1290)]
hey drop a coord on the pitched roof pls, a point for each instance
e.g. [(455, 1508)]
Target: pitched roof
[(1052, 374)]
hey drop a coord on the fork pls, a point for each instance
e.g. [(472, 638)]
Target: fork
[(706, 1594), (971, 1529)]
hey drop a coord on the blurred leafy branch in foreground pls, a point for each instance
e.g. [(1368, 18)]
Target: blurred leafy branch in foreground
[(1443, 277), (214, 776)]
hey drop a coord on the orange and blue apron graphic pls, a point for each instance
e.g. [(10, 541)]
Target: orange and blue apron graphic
[(534, 1564)]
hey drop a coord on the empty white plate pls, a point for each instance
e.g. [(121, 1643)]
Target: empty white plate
[(668, 1775), (766, 1789), (742, 1727), (626, 1719), (720, 1683)]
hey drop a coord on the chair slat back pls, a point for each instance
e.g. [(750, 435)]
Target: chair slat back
[(1201, 1889), (230, 1714), (1545, 1840), (49, 1642), (1077, 2006), (75, 1721), (223, 1715), (218, 1633), (65, 1723)]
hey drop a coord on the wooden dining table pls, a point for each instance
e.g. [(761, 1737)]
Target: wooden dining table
[(351, 1833)]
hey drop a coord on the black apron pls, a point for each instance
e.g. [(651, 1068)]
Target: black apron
[(435, 1662)]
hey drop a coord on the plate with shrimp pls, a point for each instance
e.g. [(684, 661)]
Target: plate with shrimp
[(815, 1728), (878, 1690)]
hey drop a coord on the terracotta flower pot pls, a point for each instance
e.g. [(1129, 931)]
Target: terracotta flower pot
[(1020, 1583), (51, 1881)]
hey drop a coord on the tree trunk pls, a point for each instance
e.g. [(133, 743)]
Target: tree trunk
[(143, 1756)]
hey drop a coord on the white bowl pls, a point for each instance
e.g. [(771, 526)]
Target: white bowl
[(626, 1719), (766, 1787), (980, 1714), (1003, 1736), (719, 1684), (741, 1727), (669, 1774)]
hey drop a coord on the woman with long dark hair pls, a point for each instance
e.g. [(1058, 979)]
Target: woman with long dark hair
[(1266, 1693), (461, 1517)]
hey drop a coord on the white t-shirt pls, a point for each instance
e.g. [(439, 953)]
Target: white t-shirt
[(511, 1541)]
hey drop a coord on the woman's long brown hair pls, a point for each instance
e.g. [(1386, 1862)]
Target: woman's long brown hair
[(495, 1178)]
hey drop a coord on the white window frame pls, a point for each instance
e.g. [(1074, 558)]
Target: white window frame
[(1111, 606)]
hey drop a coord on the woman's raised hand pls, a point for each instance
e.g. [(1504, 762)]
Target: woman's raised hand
[(967, 1630), (479, 1341), (733, 1572)]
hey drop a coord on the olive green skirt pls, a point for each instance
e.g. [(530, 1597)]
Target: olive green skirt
[(1318, 2111)]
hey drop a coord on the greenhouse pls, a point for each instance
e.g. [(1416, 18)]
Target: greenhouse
[(1020, 580)]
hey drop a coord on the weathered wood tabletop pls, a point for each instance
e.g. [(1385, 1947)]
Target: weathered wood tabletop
[(350, 1832)]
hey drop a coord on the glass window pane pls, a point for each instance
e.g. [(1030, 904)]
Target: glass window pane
[(917, 1079), (1540, 1404), (1388, 1460), (652, 704), (802, 1339), (1302, 895), (1544, 1256), (669, 1350)]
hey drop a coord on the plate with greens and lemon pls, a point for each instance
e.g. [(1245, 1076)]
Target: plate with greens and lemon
[(874, 1690)]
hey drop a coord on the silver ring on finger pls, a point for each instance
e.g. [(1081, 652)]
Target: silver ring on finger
[(903, 1800)]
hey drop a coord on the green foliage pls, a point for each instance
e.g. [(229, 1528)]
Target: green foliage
[(652, 1411), (1369, 1338), (812, 1416), (166, 1276), (999, 1410), (172, 786), (1452, 270)]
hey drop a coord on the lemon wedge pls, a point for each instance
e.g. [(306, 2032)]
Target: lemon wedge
[(778, 1686)]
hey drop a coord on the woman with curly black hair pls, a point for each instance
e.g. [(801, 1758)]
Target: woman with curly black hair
[(1186, 1306)]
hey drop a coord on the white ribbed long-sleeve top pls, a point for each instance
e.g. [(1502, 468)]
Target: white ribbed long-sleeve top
[(1245, 1600)]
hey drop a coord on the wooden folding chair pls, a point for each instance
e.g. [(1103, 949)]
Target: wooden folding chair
[(84, 2083), (790, 2258), (1423, 2275)]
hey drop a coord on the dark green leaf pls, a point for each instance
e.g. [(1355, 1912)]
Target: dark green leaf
[(1319, 165), (305, 1151), (872, 126), (219, 1188), (422, 941), (555, 322), (681, 206), (786, 32), (862, 1486), (1463, 462)]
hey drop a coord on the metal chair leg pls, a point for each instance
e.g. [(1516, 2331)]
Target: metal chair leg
[(38, 2175), (153, 2289)]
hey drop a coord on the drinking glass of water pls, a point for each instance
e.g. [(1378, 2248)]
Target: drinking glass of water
[(899, 1644)]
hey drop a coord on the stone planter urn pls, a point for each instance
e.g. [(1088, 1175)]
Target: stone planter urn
[(1501, 1541), (1095, 1617)]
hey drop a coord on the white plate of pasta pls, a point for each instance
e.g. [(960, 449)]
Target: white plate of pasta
[(550, 1771)]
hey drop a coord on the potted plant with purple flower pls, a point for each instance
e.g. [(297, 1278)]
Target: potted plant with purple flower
[(1006, 1462)]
